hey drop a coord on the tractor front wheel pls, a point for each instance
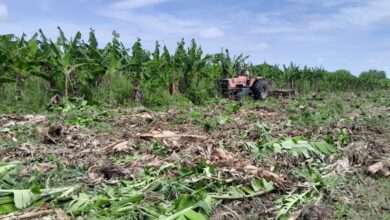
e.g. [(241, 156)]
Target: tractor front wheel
[(260, 90)]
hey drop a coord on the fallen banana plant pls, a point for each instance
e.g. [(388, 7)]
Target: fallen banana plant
[(5, 170), (295, 147), (314, 180), (188, 212), (12, 200), (258, 188), (291, 200)]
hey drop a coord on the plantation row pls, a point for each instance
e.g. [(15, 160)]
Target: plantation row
[(33, 70)]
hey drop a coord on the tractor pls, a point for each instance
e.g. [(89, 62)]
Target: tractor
[(244, 84)]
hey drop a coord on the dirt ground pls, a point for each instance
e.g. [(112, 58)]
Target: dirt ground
[(121, 144)]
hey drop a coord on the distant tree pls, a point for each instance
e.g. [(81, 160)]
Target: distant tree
[(373, 74), (372, 78), (343, 79)]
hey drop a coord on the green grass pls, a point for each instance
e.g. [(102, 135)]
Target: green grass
[(368, 198)]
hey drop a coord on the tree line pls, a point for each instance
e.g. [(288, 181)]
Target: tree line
[(37, 68), (318, 79)]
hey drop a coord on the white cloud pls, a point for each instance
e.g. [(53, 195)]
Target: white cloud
[(151, 24), (367, 14), (377, 59), (273, 23), (350, 15), (363, 15), (259, 47), (134, 4), (163, 24), (3, 11), (326, 3), (44, 5), (211, 33), (274, 30)]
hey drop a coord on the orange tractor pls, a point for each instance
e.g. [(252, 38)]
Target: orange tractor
[(244, 84)]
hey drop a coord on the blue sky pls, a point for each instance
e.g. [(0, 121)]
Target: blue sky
[(335, 34)]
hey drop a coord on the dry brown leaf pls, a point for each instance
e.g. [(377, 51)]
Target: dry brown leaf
[(61, 215), (167, 134), (222, 154), (251, 169), (273, 176), (94, 176), (381, 167), (145, 115), (44, 167), (32, 214), (154, 163), (28, 119), (342, 166), (121, 146)]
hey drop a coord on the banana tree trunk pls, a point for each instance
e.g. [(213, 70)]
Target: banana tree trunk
[(1, 89), (19, 84), (66, 86), (291, 84), (172, 84), (137, 94)]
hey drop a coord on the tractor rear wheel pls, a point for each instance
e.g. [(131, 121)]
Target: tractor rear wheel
[(260, 90)]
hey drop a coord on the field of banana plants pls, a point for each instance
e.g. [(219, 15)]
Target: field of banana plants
[(322, 155), (34, 69)]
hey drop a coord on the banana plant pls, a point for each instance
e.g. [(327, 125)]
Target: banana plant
[(291, 73), (239, 62), (224, 61), (113, 58), (95, 66), (27, 60), (67, 57), (154, 80), (7, 48), (179, 59), (271, 72), (199, 63), (306, 75), (138, 58), (167, 69), (318, 73)]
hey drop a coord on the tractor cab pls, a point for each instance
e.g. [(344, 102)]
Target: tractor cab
[(244, 84)]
